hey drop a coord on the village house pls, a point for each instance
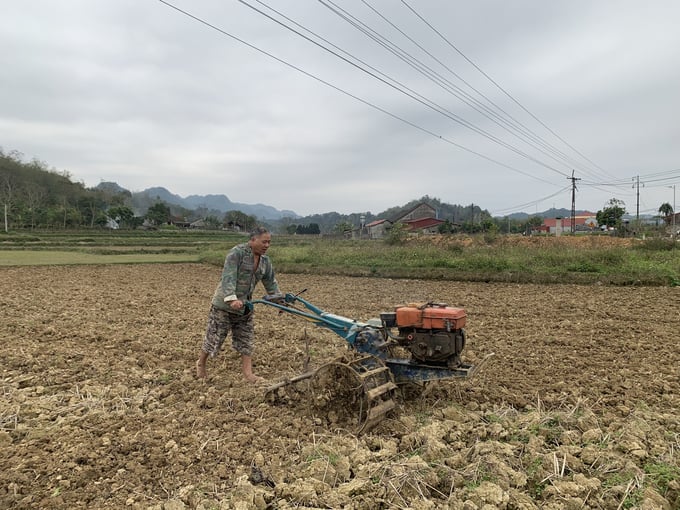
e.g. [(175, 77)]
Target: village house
[(421, 219), (586, 222), (377, 229), (424, 225)]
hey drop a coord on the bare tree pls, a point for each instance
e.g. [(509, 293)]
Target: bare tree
[(7, 195), (35, 197)]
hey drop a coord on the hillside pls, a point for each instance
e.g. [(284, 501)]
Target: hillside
[(37, 196)]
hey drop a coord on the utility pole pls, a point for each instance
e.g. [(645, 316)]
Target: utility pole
[(573, 200), (673, 219), (636, 184)]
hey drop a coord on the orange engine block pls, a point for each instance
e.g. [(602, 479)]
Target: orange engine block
[(430, 316)]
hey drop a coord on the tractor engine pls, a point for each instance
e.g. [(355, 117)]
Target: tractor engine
[(432, 332)]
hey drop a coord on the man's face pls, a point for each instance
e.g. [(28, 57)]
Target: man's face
[(260, 244)]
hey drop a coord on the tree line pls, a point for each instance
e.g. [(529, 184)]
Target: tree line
[(35, 196)]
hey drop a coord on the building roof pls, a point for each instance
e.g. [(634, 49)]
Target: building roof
[(400, 217), (375, 223), (566, 221), (423, 223)]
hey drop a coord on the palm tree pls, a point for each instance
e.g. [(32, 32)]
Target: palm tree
[(666, 210)]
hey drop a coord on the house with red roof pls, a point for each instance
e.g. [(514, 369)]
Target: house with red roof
[(584, 222), (376, 229), (421, 219), (424, 225)]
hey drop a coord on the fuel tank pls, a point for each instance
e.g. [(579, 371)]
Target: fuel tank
[(437, 316)]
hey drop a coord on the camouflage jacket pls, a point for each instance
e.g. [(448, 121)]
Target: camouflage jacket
[(239, 277)]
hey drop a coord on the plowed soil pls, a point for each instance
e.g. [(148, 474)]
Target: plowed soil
[(578, 407)]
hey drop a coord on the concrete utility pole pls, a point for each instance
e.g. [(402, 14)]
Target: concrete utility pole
[(573, 200), (673, 219), (636, 184)]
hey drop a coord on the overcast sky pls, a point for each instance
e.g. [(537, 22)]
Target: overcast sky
[(491, 102)]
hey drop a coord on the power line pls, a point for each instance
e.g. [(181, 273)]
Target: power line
[(348, 94), (671, 175), (438, 79), (505, 121), (396, 85), (376, 74), (529, 204), (500, 87)]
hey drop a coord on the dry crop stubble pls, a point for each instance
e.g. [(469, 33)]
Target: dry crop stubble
[(577, 407)]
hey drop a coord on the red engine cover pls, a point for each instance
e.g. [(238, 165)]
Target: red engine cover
[(430, 316)]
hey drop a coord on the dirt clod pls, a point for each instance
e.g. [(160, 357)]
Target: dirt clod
[(100, 407)]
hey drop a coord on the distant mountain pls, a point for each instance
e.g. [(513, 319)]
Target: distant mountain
[(162, 194), (218, 203), (111, 187), (223, 204)]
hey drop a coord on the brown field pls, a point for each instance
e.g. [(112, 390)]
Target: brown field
[(578, 407)]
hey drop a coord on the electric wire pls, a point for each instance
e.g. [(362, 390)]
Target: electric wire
[(661, 176), (504, 119), (405, 57), (502, 89), (435, 77), (349, 94), (415, 96), (671, 175), (430, 73), (529, 204)]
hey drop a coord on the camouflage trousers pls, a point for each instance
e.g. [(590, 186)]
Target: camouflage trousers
[(220, 323)]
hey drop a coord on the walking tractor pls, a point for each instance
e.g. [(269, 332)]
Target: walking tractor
[(415, 343)]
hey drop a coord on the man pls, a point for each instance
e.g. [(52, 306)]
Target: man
[(245, 265)]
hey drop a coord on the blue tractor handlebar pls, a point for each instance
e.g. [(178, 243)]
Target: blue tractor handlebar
[(342, 326)]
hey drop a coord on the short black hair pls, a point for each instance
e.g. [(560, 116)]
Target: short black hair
[(258, 231)]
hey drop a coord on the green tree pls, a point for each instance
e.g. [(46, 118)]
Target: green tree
[(486, 221), (239, 220), (612, 213), (445, 228), (212, 222), (122, 214), (64, 214), (311, 229), (397, 234), (158, 213), (90, 206), (101, 220), (666, 210), (535, 221), (471, 228), (343, 228), (136, 221)]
